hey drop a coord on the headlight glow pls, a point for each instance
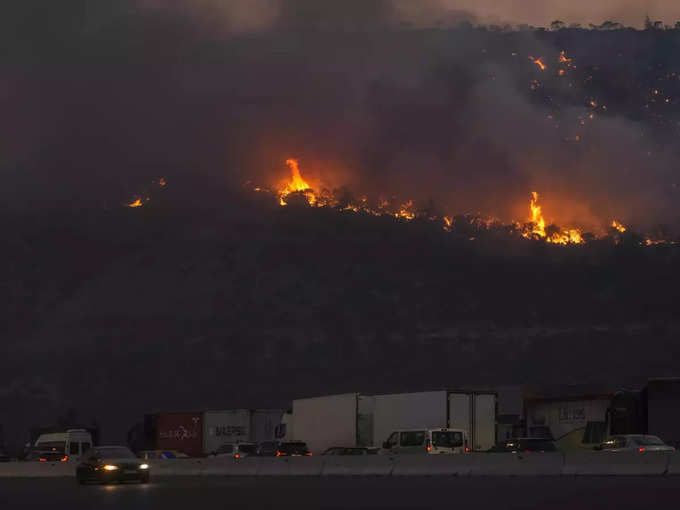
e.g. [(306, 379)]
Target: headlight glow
[(143, 466), (110, 467)]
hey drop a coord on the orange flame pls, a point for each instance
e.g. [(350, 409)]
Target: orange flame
[(296, 184), (536, 216), (162, 182), (618, 226), (537, 229), (137, 202)]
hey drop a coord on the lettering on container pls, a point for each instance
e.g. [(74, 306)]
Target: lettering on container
[(228, 431), (182, 433)]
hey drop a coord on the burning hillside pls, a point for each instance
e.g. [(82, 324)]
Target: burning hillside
[(535, 226)]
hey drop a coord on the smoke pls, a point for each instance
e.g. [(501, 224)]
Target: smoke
[(99, 99)]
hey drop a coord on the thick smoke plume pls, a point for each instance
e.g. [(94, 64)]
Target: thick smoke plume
[(100, 98)]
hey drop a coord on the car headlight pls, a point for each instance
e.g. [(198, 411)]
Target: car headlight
[(143, 466), (110, 467)]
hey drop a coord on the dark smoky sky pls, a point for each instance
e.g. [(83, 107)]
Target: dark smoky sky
[(99, 98)]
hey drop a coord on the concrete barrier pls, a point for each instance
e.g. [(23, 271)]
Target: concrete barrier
[(289, 466), (230, 467), (37, 469), (432, 465), (619, 463), (177, 467), (355, 465), (516, 464), (674, 464)]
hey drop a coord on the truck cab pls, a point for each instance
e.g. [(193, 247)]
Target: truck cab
[(427, 442)]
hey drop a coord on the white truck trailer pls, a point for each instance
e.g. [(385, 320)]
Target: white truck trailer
[(352, 419)]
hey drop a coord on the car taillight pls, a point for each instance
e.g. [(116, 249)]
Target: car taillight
[(527, 451), (467, 449), (42, 459), (429, 447), (278, 454), (237, 455), (641, 449), (64, 458), (308, 454)]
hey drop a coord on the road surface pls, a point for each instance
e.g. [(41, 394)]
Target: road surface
[(349, 493)]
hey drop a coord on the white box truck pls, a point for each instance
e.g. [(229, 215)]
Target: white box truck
[(473, 412), (352, 419)]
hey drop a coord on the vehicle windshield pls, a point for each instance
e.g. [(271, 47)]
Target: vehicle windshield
[(114, 452), (59, 446), (538, 445), (648, 441), (246, 448), (293, 447), (448, 439)]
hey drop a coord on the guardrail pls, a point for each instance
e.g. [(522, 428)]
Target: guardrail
[(475, 464)]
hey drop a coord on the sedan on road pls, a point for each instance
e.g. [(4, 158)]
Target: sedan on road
[(640, 443), (105, 464)]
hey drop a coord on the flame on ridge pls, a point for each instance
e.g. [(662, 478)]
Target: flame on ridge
[(618, 226), (296, 184)]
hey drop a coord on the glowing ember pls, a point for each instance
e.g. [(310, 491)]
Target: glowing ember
[(137, 202), (539, 62), (618, 226), (162, 182), (563, 58)]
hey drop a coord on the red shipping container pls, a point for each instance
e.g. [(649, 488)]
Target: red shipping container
[(180, 431)]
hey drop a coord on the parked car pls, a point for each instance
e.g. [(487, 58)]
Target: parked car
[(4, 457), (268, 448), (73, 442), (340, 450), (105, 464), (46, 455), (293, 449), (634, 443), (525, 445), (427, 441), (236, 450), (161, 454)]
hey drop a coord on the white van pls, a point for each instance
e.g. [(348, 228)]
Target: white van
[(73, 443), (427, 441)]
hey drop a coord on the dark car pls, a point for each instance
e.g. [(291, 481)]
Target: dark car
[(4, 457), (525, 445), (268, 448), (341, 450), (105, 464), (293, 449)]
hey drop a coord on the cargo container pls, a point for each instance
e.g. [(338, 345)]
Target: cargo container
[(239, 425), (182, 432), (352, 419)]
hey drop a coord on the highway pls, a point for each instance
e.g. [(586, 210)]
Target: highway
[(186, 493)]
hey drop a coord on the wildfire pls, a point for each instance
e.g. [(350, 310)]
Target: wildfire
[(563, 58), (539, 62), (162, 182), (618, 226), (537, 227), (296, 184), (536, 216)]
